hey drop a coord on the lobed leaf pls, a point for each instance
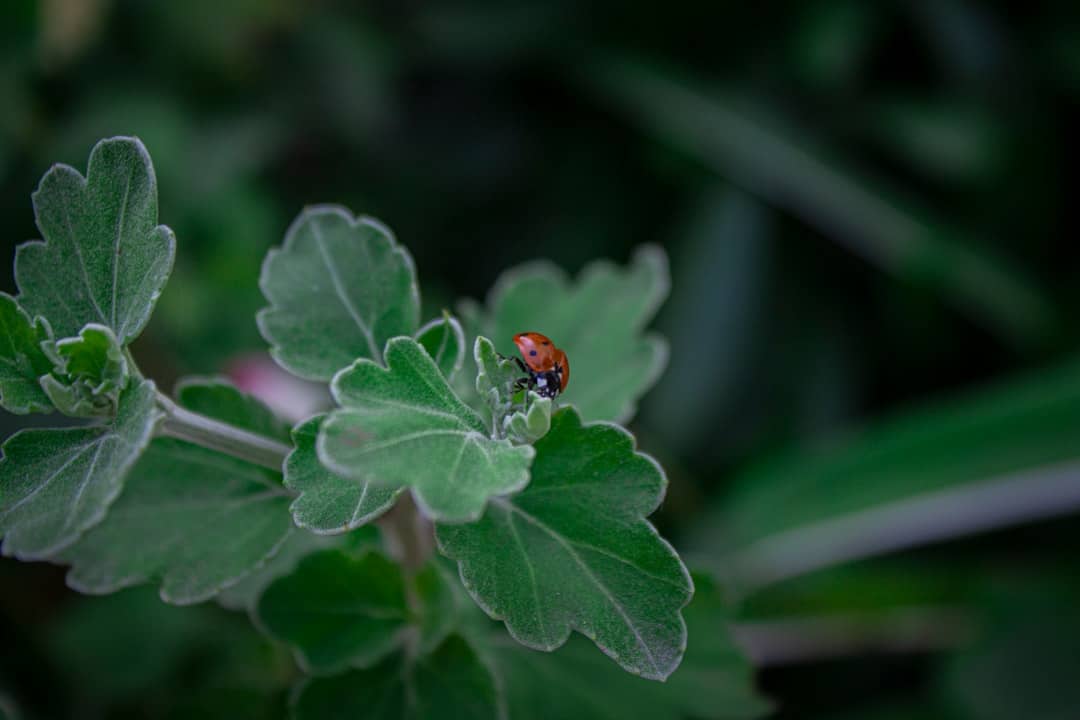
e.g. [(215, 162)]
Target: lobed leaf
[(327, 503), (403, 425), (336, 610), (715, 680), (191, 519), (576, 553), (450, 683), (444, 341), (599, 321), (104, 258), (338, 288), (22, 360), (56, 484)]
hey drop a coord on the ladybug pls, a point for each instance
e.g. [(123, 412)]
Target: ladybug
[(546, 365)]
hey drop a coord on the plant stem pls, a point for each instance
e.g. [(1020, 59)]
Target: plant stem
[(408, 532), (216, 435)]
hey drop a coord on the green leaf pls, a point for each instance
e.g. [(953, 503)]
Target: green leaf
[(989, 459), (245, 594), (22, 361), (218, 398), (715, 680), (191, 519), (105, 259), (336, 610), (576, 553), (598, 320), (444, 341), (55, 484), (338, 289), (403, 425), (528, 426), (451, 683), (329, 503), (89, 373)]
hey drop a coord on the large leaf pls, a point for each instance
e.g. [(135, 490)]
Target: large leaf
[(450, 683), (990, 459), (338, 288), (576, 553), (192, 519), (22, 361), (105, 259), (55, 484), (403, 425), (599, 320), (336, 610), (329, 503), (714, 681)]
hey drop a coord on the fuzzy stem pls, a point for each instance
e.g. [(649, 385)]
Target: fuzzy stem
[(216, 435)]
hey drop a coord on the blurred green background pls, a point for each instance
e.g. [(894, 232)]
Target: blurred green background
[(867, 207)]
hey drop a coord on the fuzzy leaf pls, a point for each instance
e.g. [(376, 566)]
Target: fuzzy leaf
[(450, 683), (329, 503), (598, 320), (403, 425), (338, 288), (576, 553), (191, 519), (528, 426), (336, 610), (444, 341), (104, 258), (714, 681), (55, 484), (22, 361), (89, 373)]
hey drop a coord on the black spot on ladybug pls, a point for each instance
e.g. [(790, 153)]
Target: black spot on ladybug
[(532, 352), (545, 343)]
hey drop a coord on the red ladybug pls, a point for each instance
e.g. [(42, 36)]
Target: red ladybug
[(547, 367)]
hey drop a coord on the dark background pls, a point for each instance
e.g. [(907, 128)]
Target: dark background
[(869, 207)]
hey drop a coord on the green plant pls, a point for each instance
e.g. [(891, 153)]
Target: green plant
[(542, 508)]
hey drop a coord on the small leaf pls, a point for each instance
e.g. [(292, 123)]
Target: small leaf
[(528, 426), (444, 341), (105, 259), (598, 320), (22, 361), (575, 552), (218, 398), (329, 503), (403, 425), (715, 679), (449, 684), (338, 289), (55, 484), (89, 373), (336, 610), (192, 519)]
